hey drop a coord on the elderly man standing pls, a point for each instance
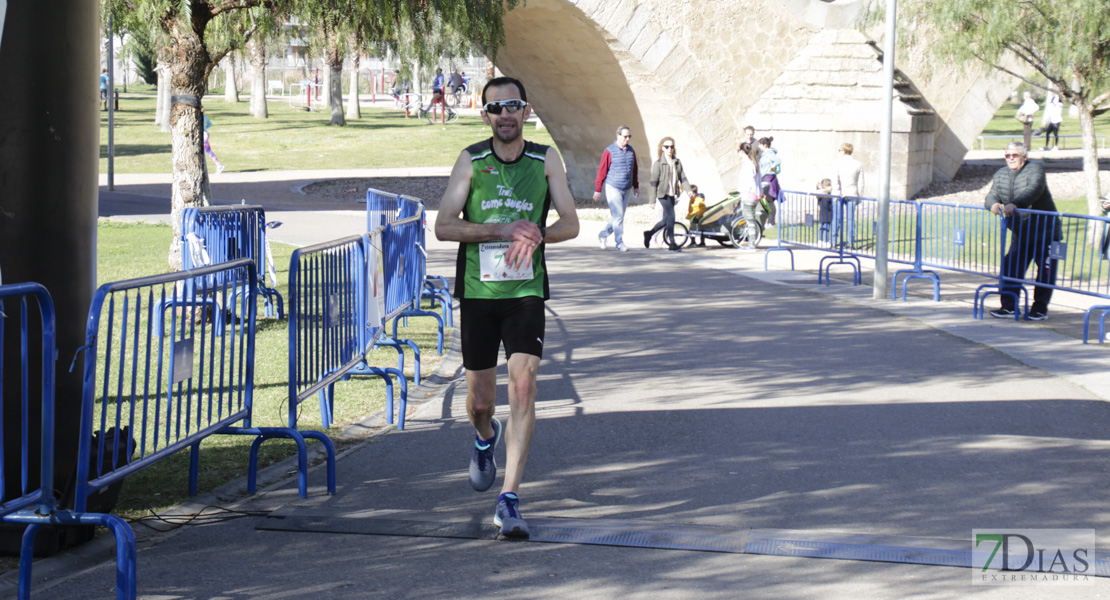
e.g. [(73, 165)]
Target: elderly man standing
[(1022, 184), (618, 175)]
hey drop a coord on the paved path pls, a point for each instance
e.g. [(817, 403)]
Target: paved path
[(698, 390)]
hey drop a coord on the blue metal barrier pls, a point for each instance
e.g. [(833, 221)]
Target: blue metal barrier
[(217, 234), (383, 208), (415, 274), (23, 502), (399, 260), (334, 321), (814, 221), (1066, 252), (162, 394)]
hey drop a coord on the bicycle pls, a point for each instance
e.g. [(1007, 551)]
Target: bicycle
[(429, 113), (455, 98), (413, 103)]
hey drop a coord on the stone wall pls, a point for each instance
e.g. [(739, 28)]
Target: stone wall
[(832, 93), (700, 71)]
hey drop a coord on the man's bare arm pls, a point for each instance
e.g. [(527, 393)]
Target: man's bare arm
[(566, 227)]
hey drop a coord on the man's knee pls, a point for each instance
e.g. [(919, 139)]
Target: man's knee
[(482, 389), (522, 375)]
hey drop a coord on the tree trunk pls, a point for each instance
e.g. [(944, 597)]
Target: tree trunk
[(160, 73), (231, 90), (187, 81), (1090, 157), (162, 110), (335, 86), (257, 50), (354, 111)]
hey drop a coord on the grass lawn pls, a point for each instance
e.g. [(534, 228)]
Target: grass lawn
[(294, 139), (1004, 123), (134, 250)]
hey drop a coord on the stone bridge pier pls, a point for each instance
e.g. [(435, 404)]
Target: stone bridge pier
[(700, 71)]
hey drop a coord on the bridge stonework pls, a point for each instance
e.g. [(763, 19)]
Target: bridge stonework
[(701, 70)]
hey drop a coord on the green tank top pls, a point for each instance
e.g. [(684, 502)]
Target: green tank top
[(502, 192)]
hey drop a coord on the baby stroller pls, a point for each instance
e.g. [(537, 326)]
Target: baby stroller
[(724, 222)]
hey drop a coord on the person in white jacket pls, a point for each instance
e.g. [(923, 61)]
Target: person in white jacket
[(749, 189), (848, 184), (1053, 116)]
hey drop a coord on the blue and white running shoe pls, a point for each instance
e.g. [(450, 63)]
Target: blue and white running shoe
[(508, 517), (483, 465)]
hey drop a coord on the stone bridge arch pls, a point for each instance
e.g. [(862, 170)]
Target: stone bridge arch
[(797, 70)]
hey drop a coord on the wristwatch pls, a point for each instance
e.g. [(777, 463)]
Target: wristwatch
[(543, 234)]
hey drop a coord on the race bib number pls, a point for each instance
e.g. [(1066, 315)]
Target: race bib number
[(495, 266)]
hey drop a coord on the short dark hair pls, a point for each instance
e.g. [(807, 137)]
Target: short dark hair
[(500, 81)]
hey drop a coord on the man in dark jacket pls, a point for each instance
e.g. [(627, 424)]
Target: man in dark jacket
[(1022, 184)]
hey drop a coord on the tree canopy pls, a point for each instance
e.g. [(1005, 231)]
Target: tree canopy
[(201, 32), (1066, 42)]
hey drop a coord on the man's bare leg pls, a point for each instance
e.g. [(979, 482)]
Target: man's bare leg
[(480, 408), (522, 417), (482, 388)]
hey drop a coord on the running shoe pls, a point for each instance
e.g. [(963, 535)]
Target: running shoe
[(1035, 315), (622, 248), (647, 239), (483, 464), (1003, 313), (601, 240), (508, 517)]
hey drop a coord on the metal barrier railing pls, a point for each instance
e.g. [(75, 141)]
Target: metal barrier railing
[(30, 501), (217, 234), (383, 208), (334, 320), (931, 236), (157, 393)]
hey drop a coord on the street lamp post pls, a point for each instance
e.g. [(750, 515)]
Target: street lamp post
[(882, 234)]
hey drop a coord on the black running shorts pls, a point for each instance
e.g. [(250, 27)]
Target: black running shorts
[(486, 324)]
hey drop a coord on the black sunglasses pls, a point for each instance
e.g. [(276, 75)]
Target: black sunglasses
[(495, 108)]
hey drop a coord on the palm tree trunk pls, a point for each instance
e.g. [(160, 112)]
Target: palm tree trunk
[(354, 111), (335, 85), (231, 90), (187, 82), (257, 50)]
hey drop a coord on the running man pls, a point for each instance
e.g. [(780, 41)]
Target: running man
[(496, 206)]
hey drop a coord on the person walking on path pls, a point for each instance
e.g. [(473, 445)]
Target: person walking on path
[(769, 167), (496, 206), (617, 175), (748, 186), (1053, 116), (1022, 184), (749, 137), (1025, 114), (208, 144), (847, 184), (104, 88), (667, 179)]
